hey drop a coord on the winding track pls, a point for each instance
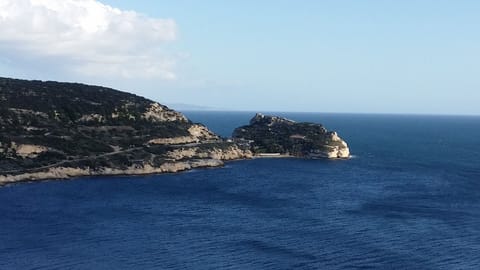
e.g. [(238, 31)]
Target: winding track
[(97, 156)]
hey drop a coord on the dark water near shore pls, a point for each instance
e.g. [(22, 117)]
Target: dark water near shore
[(410, 199)]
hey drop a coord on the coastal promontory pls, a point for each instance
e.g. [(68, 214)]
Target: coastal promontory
[(273, 135), (52, 130), (61, 130)]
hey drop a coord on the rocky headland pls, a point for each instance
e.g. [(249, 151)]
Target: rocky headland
[(61, 130), (54, 130), (272, 135)]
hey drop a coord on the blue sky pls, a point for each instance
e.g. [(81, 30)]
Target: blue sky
[(320, 56)]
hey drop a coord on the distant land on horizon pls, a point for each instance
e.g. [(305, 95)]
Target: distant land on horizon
[(192, 107), (179, 106)]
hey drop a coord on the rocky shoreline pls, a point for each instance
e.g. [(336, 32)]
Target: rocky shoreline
[(180, 159), (69, 173), (66, 173), (55, 130)]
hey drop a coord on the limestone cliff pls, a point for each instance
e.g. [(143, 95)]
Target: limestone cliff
[(272, 134), (61, 130)]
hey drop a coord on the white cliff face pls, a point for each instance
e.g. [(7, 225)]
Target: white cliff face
[(30, 150), (340, 150), (198, 133), (202, 133), (25, 150), (343, 153), (337, 152), (336, 148), (230, 153), (157, 113), (52, 173), (182, 153)]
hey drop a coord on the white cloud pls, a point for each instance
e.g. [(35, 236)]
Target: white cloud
[(87, 37)]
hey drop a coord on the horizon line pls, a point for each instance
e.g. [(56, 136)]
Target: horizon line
[(326, 112)]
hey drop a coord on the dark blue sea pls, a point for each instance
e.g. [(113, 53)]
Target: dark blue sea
[(409, 199)]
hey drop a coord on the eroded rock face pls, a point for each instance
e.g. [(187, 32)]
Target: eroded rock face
[(202, 133), (273, 134), (198, 133), (29, 150), (174, 140), (158, 113), (339, 148), (231, 152)]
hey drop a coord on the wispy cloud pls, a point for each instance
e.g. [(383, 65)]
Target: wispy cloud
[(87, 37)]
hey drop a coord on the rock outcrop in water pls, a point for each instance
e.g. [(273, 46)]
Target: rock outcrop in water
[(61, 130), (272, 134)]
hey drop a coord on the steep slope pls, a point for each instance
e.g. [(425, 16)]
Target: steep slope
[(272, 134), (60, 130)]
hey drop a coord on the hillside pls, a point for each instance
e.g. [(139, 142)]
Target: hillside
[(60, 130)]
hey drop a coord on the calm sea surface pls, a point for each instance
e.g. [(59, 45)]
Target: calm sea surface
[(409, 199)]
